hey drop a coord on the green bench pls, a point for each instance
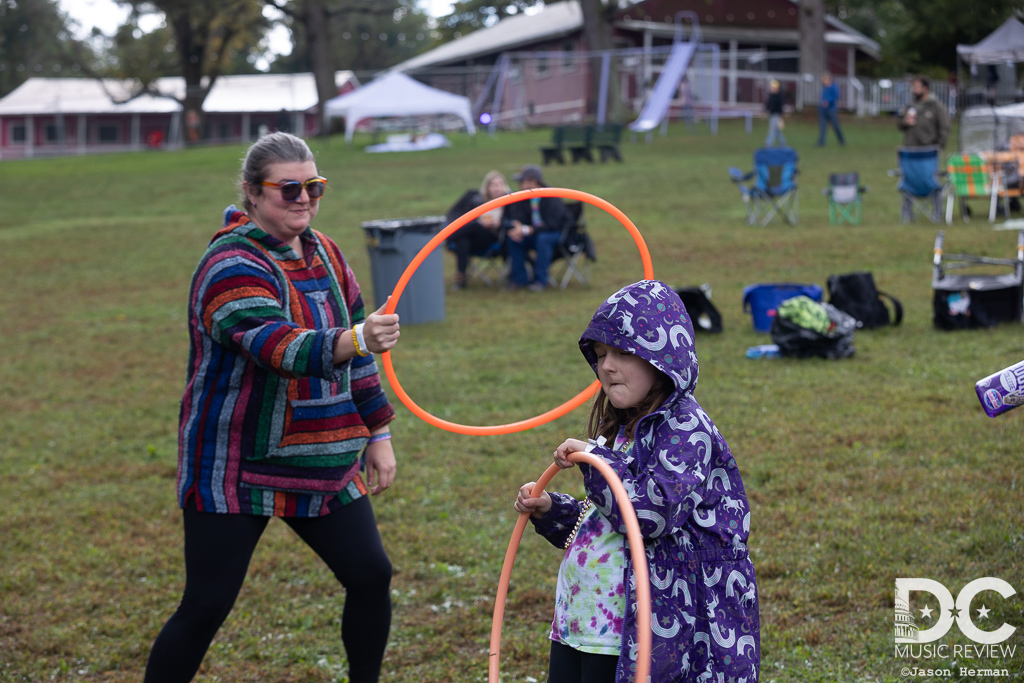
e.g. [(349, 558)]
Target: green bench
[(580, 139), (607, 141), (574, 138)]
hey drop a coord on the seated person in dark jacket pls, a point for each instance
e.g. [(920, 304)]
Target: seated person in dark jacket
[(477, 236), (537, 224)]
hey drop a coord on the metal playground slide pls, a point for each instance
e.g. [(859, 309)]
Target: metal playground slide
[(661, 96)]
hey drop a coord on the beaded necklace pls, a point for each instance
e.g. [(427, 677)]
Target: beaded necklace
[(586, 505)]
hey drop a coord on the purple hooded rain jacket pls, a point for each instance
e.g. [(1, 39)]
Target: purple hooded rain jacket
[(686, 489)]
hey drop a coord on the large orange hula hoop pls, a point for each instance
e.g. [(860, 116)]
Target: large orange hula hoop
[(636, 551), (543, 418)]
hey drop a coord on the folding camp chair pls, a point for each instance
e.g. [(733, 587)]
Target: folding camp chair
[(844, 198), (1008, 165), (981, 298), (575, 248), (773, 192), (971, 177), (489, 264), (920, 182)]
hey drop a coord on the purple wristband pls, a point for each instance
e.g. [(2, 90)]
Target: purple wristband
[(379, 437)]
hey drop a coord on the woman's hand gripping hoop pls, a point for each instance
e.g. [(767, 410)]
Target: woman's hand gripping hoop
[(568, 406), (636, 551)]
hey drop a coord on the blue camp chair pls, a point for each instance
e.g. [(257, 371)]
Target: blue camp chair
[(773, 192), (920, 182)]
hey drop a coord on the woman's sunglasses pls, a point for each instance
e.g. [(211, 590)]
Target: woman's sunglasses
[(291, 190)]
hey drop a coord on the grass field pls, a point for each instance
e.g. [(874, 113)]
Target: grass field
[(858, 471)]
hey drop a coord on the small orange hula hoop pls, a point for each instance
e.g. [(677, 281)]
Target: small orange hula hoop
[(636, 551), (543, 418)]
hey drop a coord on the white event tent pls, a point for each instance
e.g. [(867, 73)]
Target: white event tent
[(396, 94), (1005, 44)]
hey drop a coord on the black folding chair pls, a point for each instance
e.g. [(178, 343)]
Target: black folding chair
[(575, 248)]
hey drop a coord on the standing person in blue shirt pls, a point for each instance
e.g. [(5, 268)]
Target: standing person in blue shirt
[(828, 112)]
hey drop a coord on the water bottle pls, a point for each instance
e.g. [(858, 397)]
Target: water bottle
[(764, 351), (1002, 391)]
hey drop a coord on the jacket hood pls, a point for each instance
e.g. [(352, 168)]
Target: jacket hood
[(647, 319)]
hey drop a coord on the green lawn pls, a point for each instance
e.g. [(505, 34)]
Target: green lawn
[(858, 471)]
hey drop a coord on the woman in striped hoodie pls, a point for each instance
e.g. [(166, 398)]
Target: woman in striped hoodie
[(282, 397)]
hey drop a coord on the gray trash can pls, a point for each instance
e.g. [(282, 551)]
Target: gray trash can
[(393, 244)]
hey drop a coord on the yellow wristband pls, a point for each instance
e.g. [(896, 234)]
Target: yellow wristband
[(355, 344)]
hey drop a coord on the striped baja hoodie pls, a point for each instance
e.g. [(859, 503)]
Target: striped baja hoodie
[(268, 424)]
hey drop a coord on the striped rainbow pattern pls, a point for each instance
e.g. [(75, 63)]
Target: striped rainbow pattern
[(269, 425)]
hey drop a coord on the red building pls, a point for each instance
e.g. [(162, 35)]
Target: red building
[(541, 63)]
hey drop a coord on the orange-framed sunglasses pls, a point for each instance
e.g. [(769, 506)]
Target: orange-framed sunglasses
[(291, 190)]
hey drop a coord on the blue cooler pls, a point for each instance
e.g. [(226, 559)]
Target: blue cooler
[(762, 299)]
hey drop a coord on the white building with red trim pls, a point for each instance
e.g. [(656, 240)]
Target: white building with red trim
[(59, 116)]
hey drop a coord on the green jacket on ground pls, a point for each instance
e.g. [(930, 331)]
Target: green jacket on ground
[(931, 128)]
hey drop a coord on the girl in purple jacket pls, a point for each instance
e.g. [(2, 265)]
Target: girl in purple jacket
[(686, 489)]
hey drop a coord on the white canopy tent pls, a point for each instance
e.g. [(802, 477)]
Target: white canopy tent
[(396, 94), (990, 76), (1005, 44)]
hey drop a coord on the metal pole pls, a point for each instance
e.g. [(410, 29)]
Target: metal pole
[(602, 98)]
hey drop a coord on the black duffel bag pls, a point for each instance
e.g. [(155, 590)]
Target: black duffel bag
[(803, 328), (856, 294), (703, 313)]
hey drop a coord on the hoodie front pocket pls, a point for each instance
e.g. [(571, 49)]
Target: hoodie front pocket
[(326, 420)]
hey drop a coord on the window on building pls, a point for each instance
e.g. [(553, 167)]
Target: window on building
[(568, 57), (224, 130), (542, 66), (108, 132), (53, 133), (19, 134)]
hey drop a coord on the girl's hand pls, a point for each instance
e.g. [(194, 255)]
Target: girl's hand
[(536, 507), (562, 452)]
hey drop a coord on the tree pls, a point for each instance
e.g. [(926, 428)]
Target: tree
[(141, 57), (205, 34), (470, 15), (36, 39), (812, 44), (922, 35), (373, 36), (932, 34)]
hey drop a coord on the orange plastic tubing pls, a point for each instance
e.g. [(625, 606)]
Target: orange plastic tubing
[(543, 418), (636, 551)]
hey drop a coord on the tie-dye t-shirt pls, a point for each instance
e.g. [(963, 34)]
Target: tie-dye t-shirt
[(590, 598)]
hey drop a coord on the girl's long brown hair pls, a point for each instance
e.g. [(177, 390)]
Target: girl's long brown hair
[(605, 419)]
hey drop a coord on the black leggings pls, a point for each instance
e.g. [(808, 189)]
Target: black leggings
[(568, 665), (218, 548)]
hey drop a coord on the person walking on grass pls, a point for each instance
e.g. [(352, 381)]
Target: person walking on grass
[(685, 486), (828, 110), (281, 400), (774, 107)]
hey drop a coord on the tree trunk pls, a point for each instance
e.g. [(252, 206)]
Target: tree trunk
[(597, 32), (321, 57), (813, 62), (191, 51)]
